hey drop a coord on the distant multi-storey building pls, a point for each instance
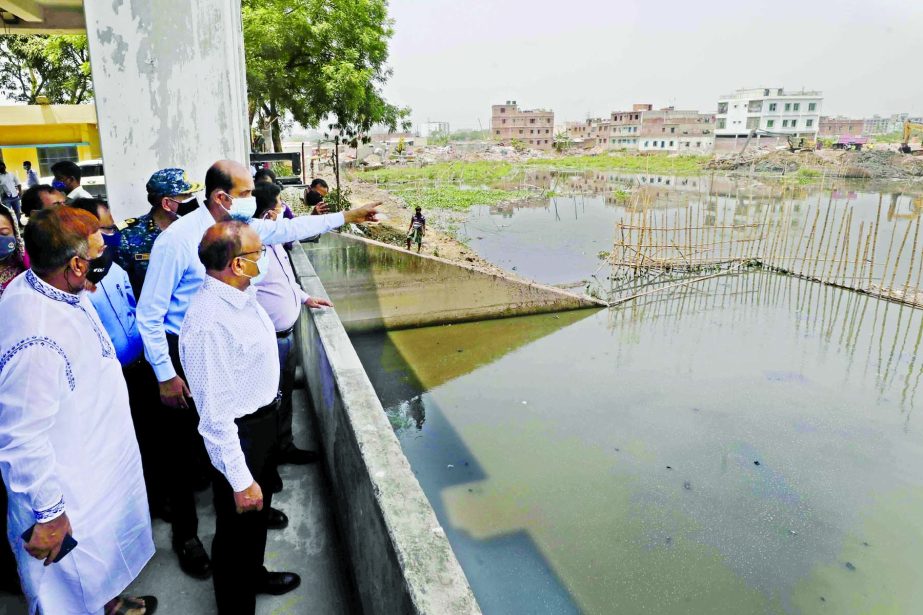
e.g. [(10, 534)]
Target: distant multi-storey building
[(767, 112), (673, 130), (840, 127), (877, 125), (533, 127), (625, 127), (646, 129)]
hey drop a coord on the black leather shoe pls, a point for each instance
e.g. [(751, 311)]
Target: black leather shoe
[(299, 456), (193, 560), (277, 520), (278, 583)]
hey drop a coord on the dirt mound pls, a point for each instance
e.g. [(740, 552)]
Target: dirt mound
[(871, 164)]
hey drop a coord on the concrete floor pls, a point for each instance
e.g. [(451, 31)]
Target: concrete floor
[(308, 546)]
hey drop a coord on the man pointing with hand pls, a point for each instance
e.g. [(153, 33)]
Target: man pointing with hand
[(174, 275)]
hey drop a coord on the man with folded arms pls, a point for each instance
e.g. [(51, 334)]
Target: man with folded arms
[(228, 351)]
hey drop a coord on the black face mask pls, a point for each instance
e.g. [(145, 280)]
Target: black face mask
[(187, 208), (99, 267)]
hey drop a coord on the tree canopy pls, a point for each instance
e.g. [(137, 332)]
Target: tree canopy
[(319, 61), (54, 66)]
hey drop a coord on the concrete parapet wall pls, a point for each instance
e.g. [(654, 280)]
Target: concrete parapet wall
[(377, 286), (399, 554)]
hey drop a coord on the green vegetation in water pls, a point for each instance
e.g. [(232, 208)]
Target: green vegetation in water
[(486, 172), (449, 196), (621, 195), (480, 173), (806, 175), (656, 163)]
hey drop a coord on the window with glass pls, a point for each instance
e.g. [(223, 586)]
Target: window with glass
[(812, 106), (788, 106), (48, 156), (772, 106), (796, 106)]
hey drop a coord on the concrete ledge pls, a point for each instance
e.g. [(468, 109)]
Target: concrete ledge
[(377, 286), (399, 554)]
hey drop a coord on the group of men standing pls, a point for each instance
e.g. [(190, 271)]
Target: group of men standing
[(112, 410)]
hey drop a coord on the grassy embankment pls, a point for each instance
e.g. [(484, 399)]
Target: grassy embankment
[(460, 185)]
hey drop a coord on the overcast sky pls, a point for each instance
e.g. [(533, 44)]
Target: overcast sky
[(453, 58)]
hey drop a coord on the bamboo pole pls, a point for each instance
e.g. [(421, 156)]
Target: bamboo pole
[(897, 261), (913, 254)]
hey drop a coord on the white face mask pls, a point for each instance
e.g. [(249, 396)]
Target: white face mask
[(242, 206)]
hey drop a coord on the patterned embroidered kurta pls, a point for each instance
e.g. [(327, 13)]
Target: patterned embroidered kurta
[(67, 445)]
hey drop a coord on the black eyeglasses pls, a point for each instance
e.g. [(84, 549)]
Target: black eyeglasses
[(261, 252)]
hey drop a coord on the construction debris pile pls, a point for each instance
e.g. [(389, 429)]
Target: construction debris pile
[(872, 164)]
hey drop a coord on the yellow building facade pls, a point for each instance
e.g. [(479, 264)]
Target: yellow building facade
[(46, 134)]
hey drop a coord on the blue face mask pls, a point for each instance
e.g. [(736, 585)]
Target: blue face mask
[(8, 246), (59, 186), (112, 241)]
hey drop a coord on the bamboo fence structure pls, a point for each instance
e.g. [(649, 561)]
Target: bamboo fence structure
[(657, 249)]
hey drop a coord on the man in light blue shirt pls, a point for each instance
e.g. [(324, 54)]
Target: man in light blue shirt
[(174, 275), (115, 305)]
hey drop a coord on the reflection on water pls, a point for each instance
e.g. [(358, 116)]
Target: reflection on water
[(744, 445), (851, 231)]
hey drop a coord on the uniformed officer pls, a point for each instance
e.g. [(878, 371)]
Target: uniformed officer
[(171, 196)]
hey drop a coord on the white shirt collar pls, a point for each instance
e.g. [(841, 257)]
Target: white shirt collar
[(237, 298)]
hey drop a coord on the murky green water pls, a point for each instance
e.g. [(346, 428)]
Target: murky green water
[(746, 445)]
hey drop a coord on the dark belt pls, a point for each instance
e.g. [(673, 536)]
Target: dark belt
[(261, 413), (284, 334)]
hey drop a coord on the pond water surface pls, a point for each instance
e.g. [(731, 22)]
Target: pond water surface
[(739, 447)]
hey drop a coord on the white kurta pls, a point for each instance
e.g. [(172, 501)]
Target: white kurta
[(66, 434)]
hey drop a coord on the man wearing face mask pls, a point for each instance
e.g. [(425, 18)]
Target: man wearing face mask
[(171, 196), (67, 175), (174, 275), (68, 454), (224, 341), (111, 294)]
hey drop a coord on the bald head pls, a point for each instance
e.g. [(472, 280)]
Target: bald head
[(228, 176), (230, 251)]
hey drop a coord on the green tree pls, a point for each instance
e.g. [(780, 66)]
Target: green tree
[(54, 66), (319, 62)]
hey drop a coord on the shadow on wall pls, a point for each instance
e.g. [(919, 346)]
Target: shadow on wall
[(376, 286)]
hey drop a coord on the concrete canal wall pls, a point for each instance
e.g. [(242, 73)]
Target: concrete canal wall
[(376, 286), (399, 554)]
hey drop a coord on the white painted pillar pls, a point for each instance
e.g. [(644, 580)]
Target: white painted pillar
[(170, 90)]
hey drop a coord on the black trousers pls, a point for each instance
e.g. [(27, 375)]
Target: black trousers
[(185, 457), (9, 575), (144, 399), (240, 539)]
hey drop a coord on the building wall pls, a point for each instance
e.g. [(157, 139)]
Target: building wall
[(24, 130), (680, 131), (840, 126), (535, 128), (769, 109)]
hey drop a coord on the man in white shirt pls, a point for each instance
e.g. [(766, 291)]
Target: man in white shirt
[(67, 176), (224, 342), (174, 275), (68, 452), (10, 189)]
